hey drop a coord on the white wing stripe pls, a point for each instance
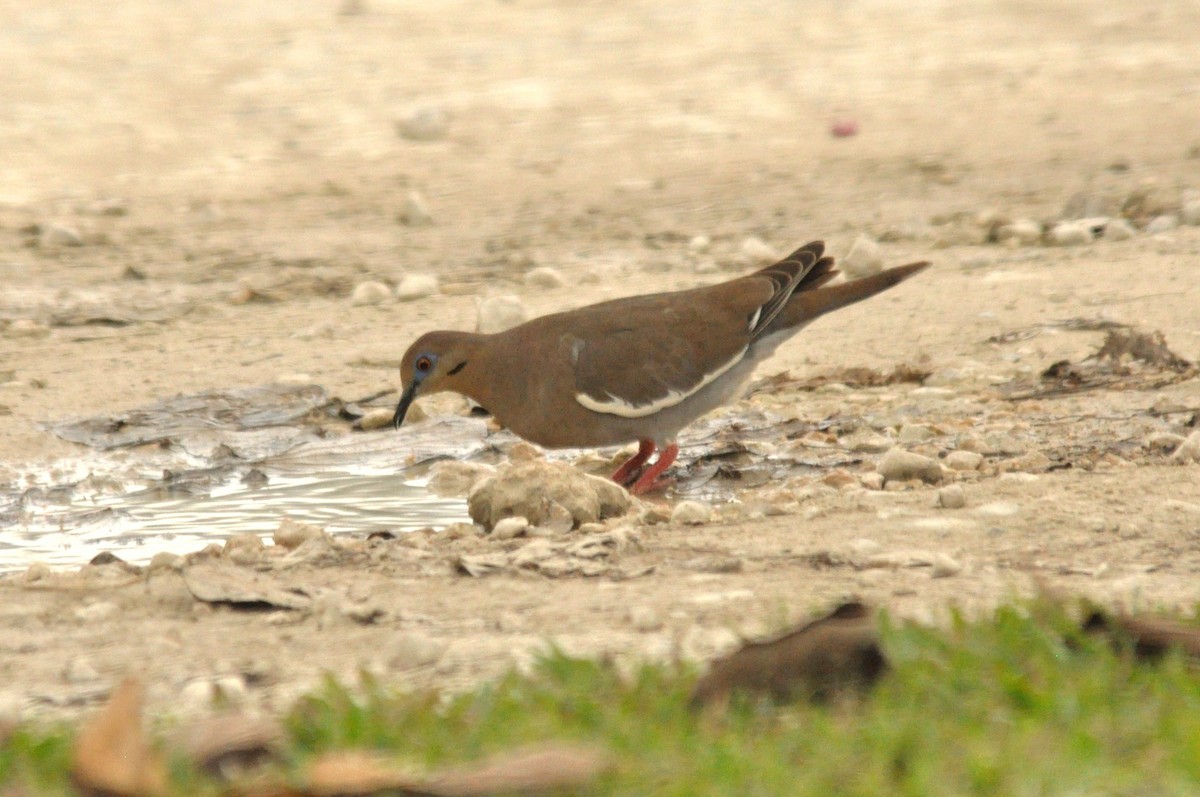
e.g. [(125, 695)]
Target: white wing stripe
[(617, 406)]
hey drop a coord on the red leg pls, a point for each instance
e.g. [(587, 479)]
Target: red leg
[(649, 480), (625, 473)]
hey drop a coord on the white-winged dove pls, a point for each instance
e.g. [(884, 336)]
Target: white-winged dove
[(639, 368)]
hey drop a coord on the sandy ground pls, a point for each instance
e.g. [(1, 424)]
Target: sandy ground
[(230, 171)]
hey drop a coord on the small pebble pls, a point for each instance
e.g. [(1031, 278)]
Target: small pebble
[(424, 124), (945, 566), (1021, 232), (757, 251), (498, 313), (952, 496), (699, 244), (1119, 230), (165, 560), (999, 509), (1070, 233), (1160, 224), (36, 572), (839, 478), (80, 670), (96, 612), (60, 235), (843, 128), (416, 286), (915, 433), (415, 212), (292, 534), (690, 513), (510, 527), (414, 649), (898, 465), (243, 549), (370, 292), (864, 259), (872, 480), (544, 277), (645, 619), (378, 418), (1189, 450), (1190, 212), (963, 460), (26, 328)]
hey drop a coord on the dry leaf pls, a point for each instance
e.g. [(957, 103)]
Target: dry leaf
[(822, 658), (357, 772), (227, 745), (112, 755), (531, 770)]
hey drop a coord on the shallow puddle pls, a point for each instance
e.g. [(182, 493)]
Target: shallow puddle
[(65, 529)]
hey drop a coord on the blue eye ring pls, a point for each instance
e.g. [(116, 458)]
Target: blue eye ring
[(423, 365)]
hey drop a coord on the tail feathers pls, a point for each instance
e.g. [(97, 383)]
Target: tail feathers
[(812, 301)]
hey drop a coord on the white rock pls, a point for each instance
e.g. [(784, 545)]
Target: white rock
[(645, 619), (1190, 212), (901, 465), (1189, 450), (498, 313), (415, 211), (424, 124), (1022, 232), (454, 478), (378, 418), (1119, 230), (757, 251), (58, 234), (872, 480), (945, 566), (1070, 233), (1164, 223), (243, 549), (699, 244), (370, 292), (952, 496), (97, 612), (81, 670), (416, 286), (544, 277), (292, 534), (510, 527), (529, 488), (864, 259), (414, 649), (691, 513), (963, 460)]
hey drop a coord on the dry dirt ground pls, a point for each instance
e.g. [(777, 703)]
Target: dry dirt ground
[(233, 169)]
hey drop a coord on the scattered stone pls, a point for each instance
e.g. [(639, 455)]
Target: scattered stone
[(80, 670), (1190, 212), (510, 527), (699, 244), (1070, 233), (415, 211), (872, 480), (544, 277), (96, 612), (945, 566), (1160, 224), (1021, 232), (1119, 230), (691, 513), (529, 488), (26, 328), (424, 124), (378, 418), (39, 571), (964, 460), (915, 433), (481, 565), (1189, 450), (58, 234), (1032, 462), (1164, 442), (416, 286), (370, 293), (559, 520), (839, 478), (864, 259), (244, 549), (522, 451), (241, 587), (455, 478), (899, 465), (755, 250), (498, 313), (645, 619), (292, 534), (413, 649), (952, 496), (867, 442), (1003, 443)]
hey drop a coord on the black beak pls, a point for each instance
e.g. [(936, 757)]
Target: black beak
[(406, 398)]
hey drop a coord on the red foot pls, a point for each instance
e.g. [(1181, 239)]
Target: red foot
[(649, 480), (628, 472)]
